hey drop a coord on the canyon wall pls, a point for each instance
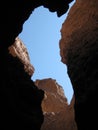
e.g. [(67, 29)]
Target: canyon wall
[(79, 51), (21, 99), (58, 114)]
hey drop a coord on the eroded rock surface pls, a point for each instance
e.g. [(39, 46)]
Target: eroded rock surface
[(19, 50), (79, 51), (58, 114)]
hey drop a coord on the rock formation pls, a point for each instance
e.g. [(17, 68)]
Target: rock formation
[(20, 102), (20, 98), (58, 114), (19, 50), (79, 51), (54, 99)]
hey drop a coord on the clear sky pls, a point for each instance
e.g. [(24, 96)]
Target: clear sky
[(41, 35)]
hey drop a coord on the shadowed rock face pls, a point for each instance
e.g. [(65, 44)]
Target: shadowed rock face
[(58, 114), (79, 50), (15, 13), (20, 99)]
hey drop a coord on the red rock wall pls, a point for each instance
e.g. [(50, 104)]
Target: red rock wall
[(79, 51)]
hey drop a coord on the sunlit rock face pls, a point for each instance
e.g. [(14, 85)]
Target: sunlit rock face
[(58, 114), (19, 50), (79, 51)]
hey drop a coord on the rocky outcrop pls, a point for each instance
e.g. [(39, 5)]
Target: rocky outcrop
[(56, 111), (58, 114), (19, 50), (20, 99), (79, 51)]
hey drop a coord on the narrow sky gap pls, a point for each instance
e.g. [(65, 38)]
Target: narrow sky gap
[(41, 35)]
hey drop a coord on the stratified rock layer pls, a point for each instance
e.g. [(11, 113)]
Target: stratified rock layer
[(79, 50), (58, 114)]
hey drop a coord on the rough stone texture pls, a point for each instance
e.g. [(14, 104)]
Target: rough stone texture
[(54, 95), (58, 114), (20, 99), (19, 50), (79, 51)]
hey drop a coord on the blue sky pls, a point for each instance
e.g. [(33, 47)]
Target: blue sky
[(41, 35)]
